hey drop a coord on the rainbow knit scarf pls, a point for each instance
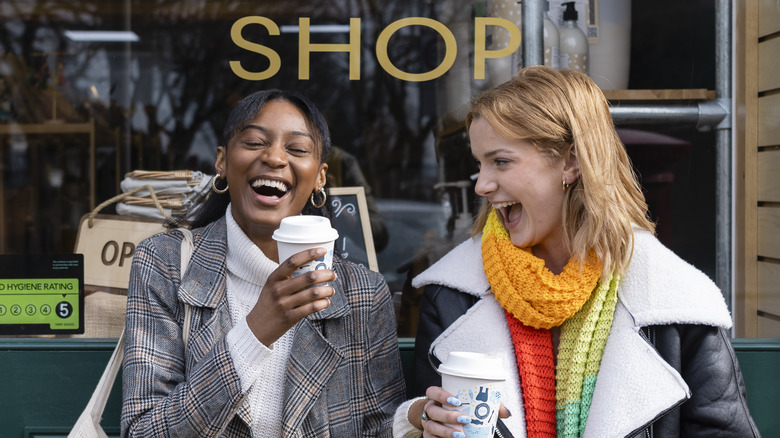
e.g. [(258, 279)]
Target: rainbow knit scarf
[(535, 300), (583, 338)]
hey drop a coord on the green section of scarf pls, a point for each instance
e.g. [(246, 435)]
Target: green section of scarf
[(581, 347)]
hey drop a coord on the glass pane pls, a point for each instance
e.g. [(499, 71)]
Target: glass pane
[(93, 89)]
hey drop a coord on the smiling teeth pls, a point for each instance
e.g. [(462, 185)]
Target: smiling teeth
[(504, 204), (268, 183)]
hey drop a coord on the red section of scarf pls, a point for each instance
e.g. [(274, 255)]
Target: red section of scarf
[(534, 352)]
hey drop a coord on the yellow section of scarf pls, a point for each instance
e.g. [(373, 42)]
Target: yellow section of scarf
[(526, 288)]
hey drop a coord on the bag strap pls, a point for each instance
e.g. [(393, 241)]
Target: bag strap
[(187, 246), (89, 420)]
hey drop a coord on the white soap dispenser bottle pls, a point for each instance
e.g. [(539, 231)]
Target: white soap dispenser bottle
[(551, 45), (573, 42)]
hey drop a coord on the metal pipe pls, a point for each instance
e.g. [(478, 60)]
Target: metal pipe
[(655, 114), (126, 99), (704, 115), (724, 159), (533, 32)]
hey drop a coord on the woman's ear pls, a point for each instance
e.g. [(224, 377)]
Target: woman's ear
[(221, 162), (571, 166), (322, 178)]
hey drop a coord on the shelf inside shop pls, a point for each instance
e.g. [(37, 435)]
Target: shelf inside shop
[(668, 94)]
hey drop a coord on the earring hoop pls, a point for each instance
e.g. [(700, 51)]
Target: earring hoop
[(214, 185), (324, 197), (565, 185)]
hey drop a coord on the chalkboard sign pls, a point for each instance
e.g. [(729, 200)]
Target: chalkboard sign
[(350, 218)]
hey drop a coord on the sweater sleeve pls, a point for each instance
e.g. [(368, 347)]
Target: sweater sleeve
[(402, 428)]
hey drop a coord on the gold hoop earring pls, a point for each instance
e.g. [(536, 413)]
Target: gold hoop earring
[(324, 197), (565, 185), (214, 186)]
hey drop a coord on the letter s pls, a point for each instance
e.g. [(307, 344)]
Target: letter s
[(273, 57)]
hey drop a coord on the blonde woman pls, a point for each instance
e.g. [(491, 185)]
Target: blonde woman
[(604, 332)]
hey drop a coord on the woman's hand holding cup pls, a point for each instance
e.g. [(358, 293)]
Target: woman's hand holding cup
[(438, 420), (471, 403), (295, 289), (287, 298), (442, 420)]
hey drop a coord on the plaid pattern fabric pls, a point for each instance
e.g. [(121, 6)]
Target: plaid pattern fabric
[(343, 379)]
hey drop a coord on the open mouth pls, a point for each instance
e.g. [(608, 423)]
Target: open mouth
[(270, 188), (509, 210)]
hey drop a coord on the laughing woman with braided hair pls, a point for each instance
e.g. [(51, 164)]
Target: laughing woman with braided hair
[(604, 332)]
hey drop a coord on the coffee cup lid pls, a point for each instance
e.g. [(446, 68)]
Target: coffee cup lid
[(473, 365), (305, 229)]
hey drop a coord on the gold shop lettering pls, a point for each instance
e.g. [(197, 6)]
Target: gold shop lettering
[(306, 47)]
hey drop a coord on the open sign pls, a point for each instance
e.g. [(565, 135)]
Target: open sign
[(108, 247)]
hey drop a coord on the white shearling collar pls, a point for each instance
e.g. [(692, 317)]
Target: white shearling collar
[(460, 269), (657, 288)]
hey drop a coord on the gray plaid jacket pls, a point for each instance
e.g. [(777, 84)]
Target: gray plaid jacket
[(343, 379)]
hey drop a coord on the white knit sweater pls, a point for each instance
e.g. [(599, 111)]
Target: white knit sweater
[(261, 368)]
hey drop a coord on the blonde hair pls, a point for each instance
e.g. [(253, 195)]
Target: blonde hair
[(562, 113)]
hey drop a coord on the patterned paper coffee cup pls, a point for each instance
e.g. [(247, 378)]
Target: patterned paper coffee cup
[(477, 380), (299, 233)]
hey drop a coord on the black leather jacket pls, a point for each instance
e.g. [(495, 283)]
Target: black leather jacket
[(703, 356)]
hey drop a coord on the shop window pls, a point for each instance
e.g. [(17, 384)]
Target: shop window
[(80, 109)]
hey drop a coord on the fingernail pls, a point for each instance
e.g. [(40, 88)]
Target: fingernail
[(458, 435), (464, 419), (453, 401)]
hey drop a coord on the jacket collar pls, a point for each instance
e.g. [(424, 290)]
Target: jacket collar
[(459, 269), (313, 361), (661, 288), (203, 284), (635, 385), (657, 288)]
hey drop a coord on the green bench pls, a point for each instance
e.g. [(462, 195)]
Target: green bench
[(45, 383)]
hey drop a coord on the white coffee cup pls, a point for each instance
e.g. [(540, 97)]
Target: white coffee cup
[(476, 379), (299, 233)]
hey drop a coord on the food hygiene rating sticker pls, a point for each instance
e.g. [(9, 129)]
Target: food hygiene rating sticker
[(41, 294)]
